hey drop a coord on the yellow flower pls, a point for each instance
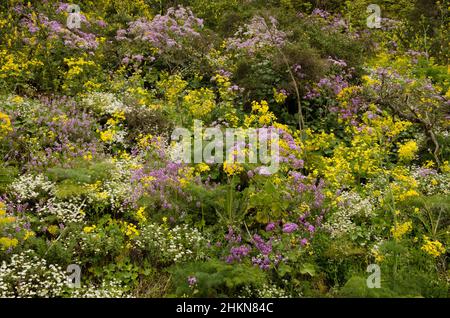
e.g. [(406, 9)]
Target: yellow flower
[(399, 230), (89, 229), (17, 99), (28, 234), (232, 168), (279, 97), (6, 242), (107, 135), (52, 229), (140, 215), (407, 151), (130, 229), (5, 125), (433, 248), (202, 167), (200, 102), (378, 256), (87, 156)]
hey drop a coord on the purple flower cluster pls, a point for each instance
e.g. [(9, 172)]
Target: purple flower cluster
[(74, 39), (164, 31), (290, 227), (232, 237), (237, 253), (264, 247), (270, 227), (66, 133), (262, 262), (256, 35)]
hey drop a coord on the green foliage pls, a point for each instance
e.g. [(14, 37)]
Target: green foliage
[(215, 279)]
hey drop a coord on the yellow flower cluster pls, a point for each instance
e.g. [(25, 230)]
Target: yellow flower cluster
[(186, 175), (52, 229), (172, 86), (200, 102), (107, 136), (5, 125), (129, 229), (147, 181), (377, 254), (433, 248), (279, 97), (202, 167), (6, 242), (96, 192), (404, 186), (399, 230), (232, 168), (318, 140), (385, 125), (224, 84), (143, 97), (76, 66), (260, 115), (407, 151), (16, 66), (89, 229), (140, 215)]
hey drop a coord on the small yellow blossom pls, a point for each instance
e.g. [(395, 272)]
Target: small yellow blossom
[(140, 215), (89, 229), (232, 168), (399, 230), (52, 229), (433, 248)]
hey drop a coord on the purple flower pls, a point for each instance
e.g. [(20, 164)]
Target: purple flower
[(192, 281), (237, 253), (263, 247), (270, 227), (289, 227), (262, 262), (101, 23)]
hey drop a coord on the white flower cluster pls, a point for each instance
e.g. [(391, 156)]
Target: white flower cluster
[(30, 276), (266, 291), (178, 244), (25, 108), (103, 103), (430, 182), (28, 187), (27, 275), (352, 205), (116, 190), (109, 289), (66, 212)]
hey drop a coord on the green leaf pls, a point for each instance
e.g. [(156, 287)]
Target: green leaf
[(308, 268)]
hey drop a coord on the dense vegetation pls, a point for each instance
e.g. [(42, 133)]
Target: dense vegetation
[(87, 176)]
